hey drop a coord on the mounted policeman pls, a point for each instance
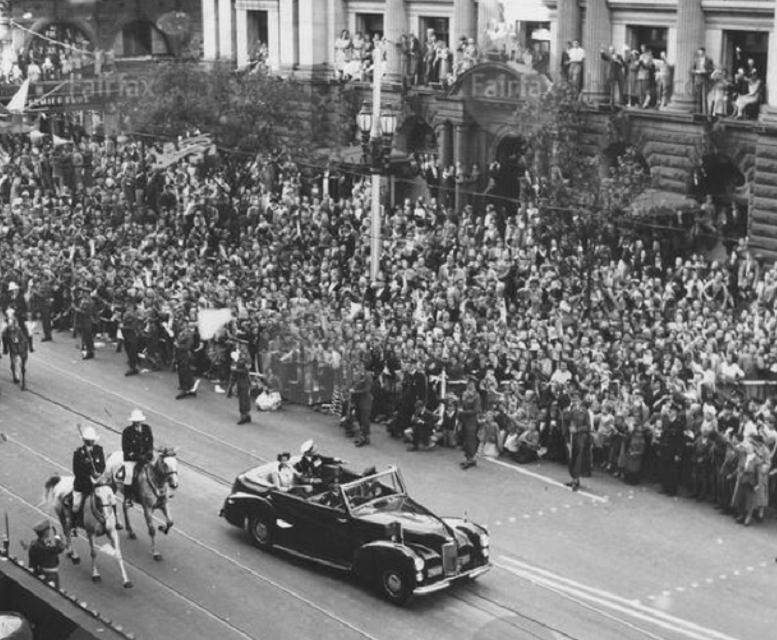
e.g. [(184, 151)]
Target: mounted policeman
[(137, 445)]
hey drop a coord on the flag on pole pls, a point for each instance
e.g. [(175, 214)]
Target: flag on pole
[(19, 101)]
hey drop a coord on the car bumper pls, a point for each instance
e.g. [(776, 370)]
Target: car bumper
[(447, 582)]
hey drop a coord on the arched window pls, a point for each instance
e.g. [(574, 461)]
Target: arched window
[(140, 38)]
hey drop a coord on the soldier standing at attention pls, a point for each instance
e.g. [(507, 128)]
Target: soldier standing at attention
[(362, 399), (184, 342), (137, 445), (242, 380), (44, 553), (44, 296), (130, 330), (85, 316)]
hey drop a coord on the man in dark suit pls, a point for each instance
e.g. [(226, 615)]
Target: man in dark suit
[(88, 468), (578, 422), (137, 445)]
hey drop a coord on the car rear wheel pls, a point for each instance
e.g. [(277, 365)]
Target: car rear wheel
[(395, 585), (260, 531)]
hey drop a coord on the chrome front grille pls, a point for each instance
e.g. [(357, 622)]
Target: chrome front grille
[(450, 562)]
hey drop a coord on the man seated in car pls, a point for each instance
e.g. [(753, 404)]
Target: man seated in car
[(312, 464), (333, 496), (286, 478)]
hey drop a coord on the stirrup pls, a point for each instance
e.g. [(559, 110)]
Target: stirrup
[(128, 502)]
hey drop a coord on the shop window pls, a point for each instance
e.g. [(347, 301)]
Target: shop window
[(140, 38), (369, 24), (440, 26)]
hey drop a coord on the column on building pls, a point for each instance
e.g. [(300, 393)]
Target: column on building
[(567, 30), (597, 36), (445, 144), (337, 20), (287, 36), (241, 36), (464, 23), (394, 27), (210, 35), (461, 159), (690, 36), (274, 38), (769, 113), (488, 16), (314, 55), (225, 49)]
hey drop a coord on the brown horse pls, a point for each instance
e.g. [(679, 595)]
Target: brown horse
[(16, 344), (154, 482), (99, 519)]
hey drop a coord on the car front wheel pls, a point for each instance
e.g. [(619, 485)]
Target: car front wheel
[(395, 585), (260, 531)]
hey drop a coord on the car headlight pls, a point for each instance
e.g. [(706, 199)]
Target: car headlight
[(484, 540), (419, 563)]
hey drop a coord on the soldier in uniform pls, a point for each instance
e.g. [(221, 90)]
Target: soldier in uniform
[(184, 343), (240, 377), (137, 445), (131, 326), (44, 296), (17, 302), (577, 419), (85, 323), (361, 396), (44, 552), (671, 445), (88, 468)]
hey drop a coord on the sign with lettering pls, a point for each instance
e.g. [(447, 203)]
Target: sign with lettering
[(507, 81)]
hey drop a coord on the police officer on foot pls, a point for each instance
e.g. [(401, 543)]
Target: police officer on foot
[(137, 445), (184, 342), (88, 468), (44, 552), (362, 399)]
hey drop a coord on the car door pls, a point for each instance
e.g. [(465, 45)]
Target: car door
[(335, 538), (292, 527)]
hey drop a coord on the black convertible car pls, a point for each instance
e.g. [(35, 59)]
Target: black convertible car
[(366, 525)]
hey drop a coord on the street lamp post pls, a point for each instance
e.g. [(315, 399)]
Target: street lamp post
[(377, 128)]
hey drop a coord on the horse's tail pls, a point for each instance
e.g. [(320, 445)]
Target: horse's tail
[(49, 497)]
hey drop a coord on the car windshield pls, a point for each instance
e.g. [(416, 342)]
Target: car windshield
[(379, 486)]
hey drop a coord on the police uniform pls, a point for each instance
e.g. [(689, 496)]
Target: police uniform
[(44, 296), (137, 445), (88, 463), (44, 554)]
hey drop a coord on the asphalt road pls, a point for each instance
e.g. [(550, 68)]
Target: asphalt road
[(609, 563)]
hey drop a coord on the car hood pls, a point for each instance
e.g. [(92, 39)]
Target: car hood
[(418, 524)]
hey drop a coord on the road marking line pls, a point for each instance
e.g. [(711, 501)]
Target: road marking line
[(544, 479), (607, 597), (140, 405)]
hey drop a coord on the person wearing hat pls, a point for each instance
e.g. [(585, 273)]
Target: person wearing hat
[(184, 343), (241, 379), (579, 422), (44, 552), (85, 317), (671, 445), (311, 465), (469, 415), (137, 445), (361, 396), (131, 328), (88, 468), (286, 478), (18, 303)]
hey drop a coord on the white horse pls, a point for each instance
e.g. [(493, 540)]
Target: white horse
[(99, 519), (154, 482)]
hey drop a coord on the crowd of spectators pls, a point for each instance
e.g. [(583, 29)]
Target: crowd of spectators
[(655, 346), (433, 61)]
